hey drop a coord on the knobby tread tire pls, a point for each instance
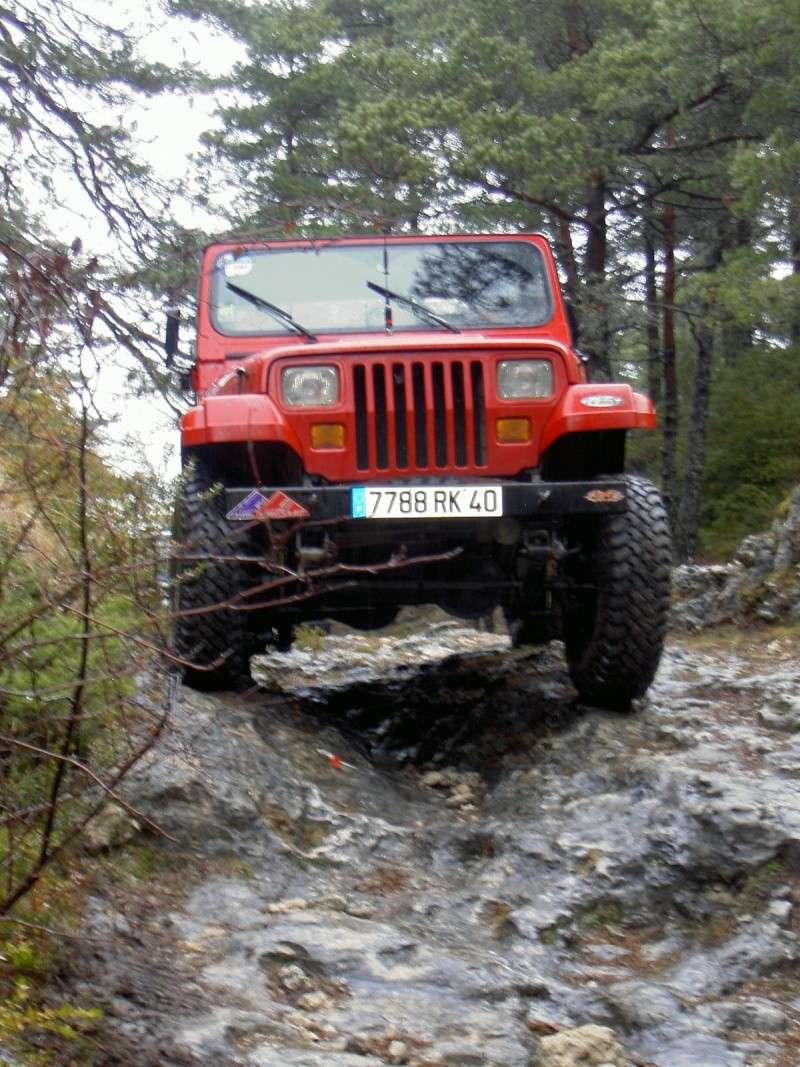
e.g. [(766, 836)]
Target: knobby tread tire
[(202, 530), (613, 654)]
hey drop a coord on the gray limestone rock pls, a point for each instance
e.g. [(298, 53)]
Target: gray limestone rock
[(631, 872), (762, 584), (585, 1046), (750, 1013)]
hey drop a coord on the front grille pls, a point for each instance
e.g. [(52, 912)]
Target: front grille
[(419, 415)]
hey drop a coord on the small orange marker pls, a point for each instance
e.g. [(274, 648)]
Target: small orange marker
[(335, 760)]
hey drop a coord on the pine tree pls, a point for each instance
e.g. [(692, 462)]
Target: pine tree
[(653, 142)]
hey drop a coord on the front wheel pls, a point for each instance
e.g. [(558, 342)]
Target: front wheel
[(211, 638), (615, 620)]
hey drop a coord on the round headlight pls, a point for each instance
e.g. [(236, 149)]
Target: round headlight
[(524, 379), (310, 387)]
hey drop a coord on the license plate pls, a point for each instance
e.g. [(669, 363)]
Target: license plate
[(427, 502)]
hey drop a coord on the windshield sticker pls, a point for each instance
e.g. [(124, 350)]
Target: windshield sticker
[(238, 268)]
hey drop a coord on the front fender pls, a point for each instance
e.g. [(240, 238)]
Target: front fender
[(577, 412), (225, 419)]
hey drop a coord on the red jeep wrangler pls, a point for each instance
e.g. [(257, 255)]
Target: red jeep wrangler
[(404, 420)]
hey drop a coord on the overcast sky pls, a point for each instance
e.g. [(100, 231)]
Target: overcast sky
[(167, 130)]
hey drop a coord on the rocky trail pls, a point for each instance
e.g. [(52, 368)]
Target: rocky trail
[(421, 851)]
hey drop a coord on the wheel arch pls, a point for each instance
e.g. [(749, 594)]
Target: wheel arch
[(585, 454), (248, 462), (589, 417)]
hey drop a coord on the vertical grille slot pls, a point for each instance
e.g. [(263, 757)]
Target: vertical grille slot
[(400, 414), (420, 433), (439, 416), (381, 438), (459, 414), (362, 429), (478, 413)]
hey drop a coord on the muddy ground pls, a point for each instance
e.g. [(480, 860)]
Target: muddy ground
[(424, 851)]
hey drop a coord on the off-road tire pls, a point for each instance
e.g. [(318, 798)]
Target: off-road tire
[(614, 637), (205, 581)]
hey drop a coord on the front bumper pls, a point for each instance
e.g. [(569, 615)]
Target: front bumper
[(521, 500)]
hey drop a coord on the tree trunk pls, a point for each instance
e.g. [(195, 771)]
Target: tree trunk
[(736, 338), (669, 436), (565, 251), (794, 251), (685, 539), (596, 257), (651, 311), (576, 39)]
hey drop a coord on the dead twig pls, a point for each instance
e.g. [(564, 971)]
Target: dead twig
[(71, 761)]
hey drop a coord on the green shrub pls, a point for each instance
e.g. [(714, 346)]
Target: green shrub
[(754, 446)]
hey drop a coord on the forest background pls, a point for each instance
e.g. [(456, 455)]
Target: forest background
[(656, 144)]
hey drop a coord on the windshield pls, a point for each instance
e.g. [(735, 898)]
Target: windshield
[(468, 283)]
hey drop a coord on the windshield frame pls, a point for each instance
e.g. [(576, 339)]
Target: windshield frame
[(320, 247)]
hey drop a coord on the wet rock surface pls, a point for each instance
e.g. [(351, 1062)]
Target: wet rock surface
[(427, 853), (760, 585)]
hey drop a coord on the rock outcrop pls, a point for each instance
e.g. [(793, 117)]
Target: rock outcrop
[(762, 584), (450, 864)]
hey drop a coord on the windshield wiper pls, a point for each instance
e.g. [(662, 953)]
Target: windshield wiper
[(271, 309), (419, 309)]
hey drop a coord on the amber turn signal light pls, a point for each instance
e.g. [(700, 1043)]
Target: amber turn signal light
[(513, 431), (327, 435)]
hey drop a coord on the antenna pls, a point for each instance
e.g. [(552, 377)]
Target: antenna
[(387, 306)]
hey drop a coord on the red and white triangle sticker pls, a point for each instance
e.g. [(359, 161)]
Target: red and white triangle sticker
[(280, 506)]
